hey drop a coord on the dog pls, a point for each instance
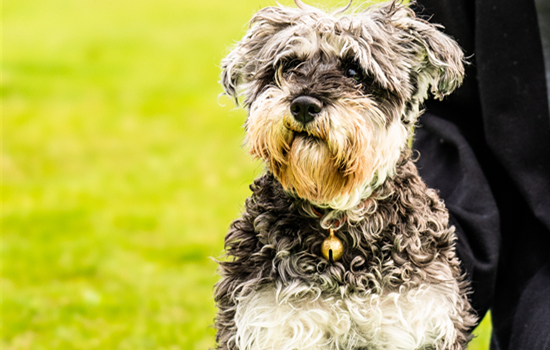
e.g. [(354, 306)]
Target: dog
[(341, 245)]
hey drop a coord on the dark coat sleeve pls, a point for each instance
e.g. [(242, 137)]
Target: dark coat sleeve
[(447, 163), (487, 149)]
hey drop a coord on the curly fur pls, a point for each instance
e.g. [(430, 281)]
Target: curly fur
[(399, 264), (398, 284)]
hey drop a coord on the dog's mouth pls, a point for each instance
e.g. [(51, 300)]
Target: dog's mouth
[(303, 139), (312, 131), (304, 135)]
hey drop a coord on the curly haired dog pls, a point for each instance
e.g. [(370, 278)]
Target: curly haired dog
[(341, 245)]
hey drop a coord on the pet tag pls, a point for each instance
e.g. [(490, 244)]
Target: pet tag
[(332, 247)]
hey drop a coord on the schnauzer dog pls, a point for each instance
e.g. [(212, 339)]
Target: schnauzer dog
[(341, 245)]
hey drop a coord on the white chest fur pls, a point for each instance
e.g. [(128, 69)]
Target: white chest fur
[(299, 317)]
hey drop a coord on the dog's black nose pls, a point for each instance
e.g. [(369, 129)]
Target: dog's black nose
[(305, 108)]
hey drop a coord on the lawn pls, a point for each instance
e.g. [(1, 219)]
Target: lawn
[(121, 171)]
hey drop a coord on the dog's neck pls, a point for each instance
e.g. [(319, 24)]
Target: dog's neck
[(335, 218)]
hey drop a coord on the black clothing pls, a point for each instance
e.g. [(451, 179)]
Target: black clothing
[(543, 15), (487, 149)]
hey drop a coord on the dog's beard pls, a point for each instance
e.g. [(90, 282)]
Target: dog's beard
[(313, 172), (328, 158)]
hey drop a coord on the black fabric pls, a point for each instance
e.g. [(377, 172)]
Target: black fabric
[(487, 149), (445, 151), (543, 15), (531, 327)]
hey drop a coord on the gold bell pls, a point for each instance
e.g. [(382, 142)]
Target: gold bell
[(332, 247)]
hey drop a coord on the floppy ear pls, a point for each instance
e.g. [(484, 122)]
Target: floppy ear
[(247, 57), (441, 59), (444, 59), (238, 67)]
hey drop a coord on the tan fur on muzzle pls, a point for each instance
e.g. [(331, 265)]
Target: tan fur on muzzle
[(319, 161)]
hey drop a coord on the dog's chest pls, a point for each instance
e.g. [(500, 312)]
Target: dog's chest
[(296, 316)]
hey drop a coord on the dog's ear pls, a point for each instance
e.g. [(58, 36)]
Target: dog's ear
[(440, 58), (252, 54), (238, 66)]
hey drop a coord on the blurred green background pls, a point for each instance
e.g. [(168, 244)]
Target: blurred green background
[(121, 171)]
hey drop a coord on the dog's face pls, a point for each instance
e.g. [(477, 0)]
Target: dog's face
[(332, 98)]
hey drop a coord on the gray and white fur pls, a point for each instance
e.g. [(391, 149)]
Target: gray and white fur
[(346, 165)]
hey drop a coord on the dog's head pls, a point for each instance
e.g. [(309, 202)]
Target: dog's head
[(332, 98)]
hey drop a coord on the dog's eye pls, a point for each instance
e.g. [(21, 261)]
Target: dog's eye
[(354, 73), (291, 64)]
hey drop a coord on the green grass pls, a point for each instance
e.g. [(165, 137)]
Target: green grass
[(120, 171)]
